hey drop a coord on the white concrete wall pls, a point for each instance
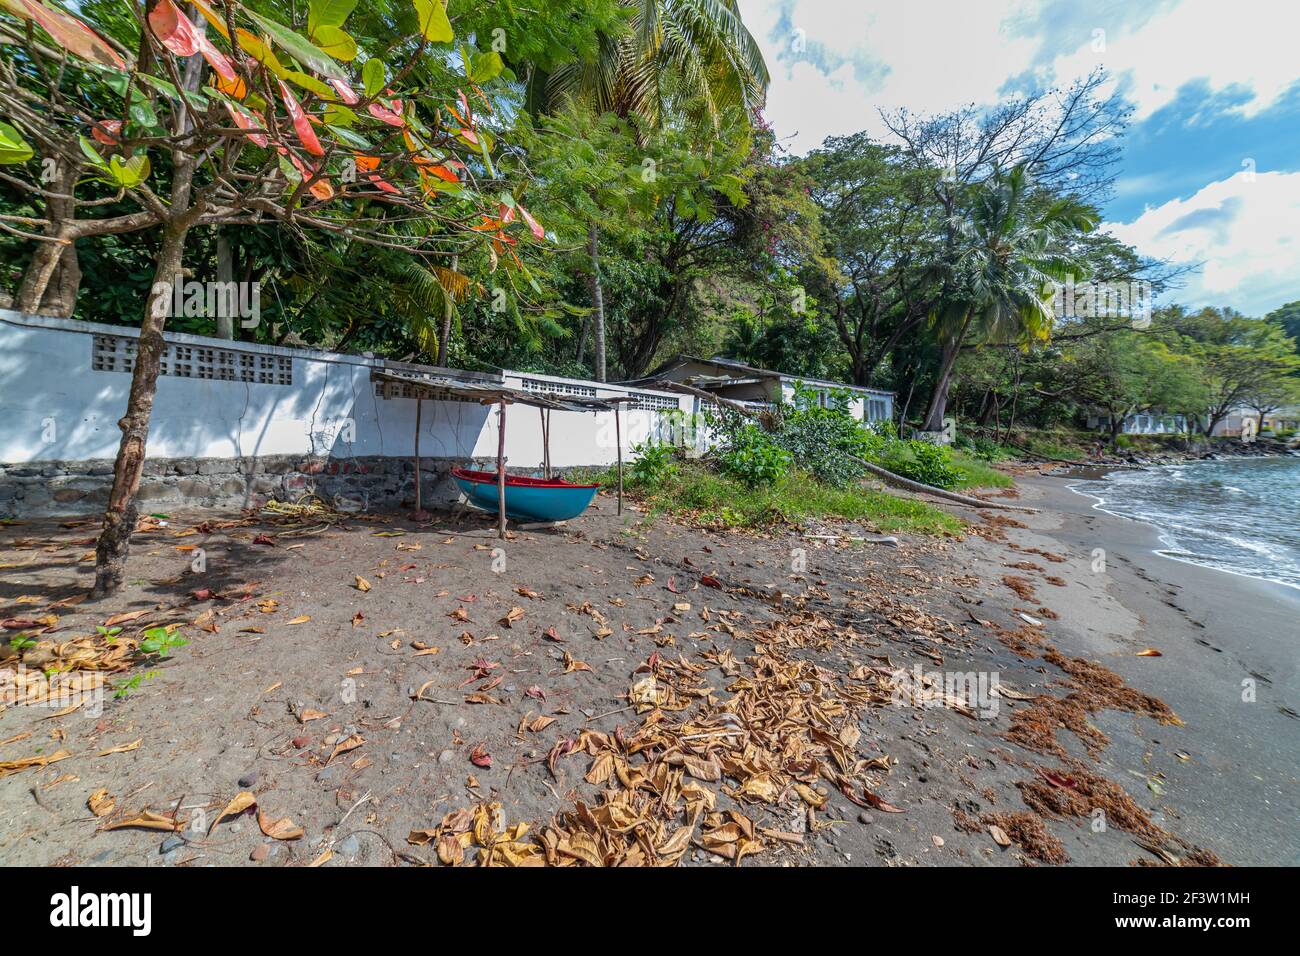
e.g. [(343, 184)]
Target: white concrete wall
[(54, 406)]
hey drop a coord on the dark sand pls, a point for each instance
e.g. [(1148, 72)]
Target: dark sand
[(1222, 635), (229, 706)]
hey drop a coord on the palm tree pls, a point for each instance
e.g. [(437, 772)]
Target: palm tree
[(1009, 251), (680, 61)]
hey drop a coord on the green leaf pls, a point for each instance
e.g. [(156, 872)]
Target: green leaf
[(92, 154), (327, 13), (300, 48), (13, 148), (433, 21), (310, 83), (347, 136), (336, 114), (373, 76), (487, 66), (129, 173), (336, 42)]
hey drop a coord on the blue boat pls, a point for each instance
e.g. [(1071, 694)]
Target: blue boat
[(530, 499)]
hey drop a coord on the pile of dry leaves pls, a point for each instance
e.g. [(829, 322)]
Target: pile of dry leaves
[(719, 743)]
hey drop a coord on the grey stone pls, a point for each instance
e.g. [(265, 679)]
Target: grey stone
[(248, 779), (171, 844), (351, 846)]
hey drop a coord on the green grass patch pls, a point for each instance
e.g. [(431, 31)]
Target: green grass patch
[(979, 474), (716, 501)]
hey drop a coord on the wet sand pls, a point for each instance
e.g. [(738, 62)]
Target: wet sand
[(1230, 647)]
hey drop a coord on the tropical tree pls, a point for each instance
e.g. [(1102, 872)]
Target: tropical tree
[(997, 278), (279, 135), (690, 62)]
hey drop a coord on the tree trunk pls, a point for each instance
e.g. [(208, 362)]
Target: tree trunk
[(225, 275), (52, 278), (597, 301), (444, 332), (939, 400), (120, 515)]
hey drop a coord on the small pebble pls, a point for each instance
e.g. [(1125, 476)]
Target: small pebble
[(260, 853), (864, 818), (248, 779), (171, 843)]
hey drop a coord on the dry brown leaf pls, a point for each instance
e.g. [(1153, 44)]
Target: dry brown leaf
[(124, 748), (362, 584), (148, 820), (300, 619), (282, 829), (100, 803), (238, 804)]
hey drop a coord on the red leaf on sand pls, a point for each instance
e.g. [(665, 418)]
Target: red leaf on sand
[(880, 804), (301, 125), (1056, 780), (264, 539), (480, 757), (551, 634), (672, 585), (709, 581), (203, 594), (536, 693)]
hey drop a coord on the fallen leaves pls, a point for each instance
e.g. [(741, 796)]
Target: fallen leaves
[(8, 767), (148, 820), (100, 803), (300, 619), (282, 829), (123, 748), (240, 803), (351, 742)]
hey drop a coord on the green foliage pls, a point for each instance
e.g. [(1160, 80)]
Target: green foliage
[(161, 641), (921, 461), (752, 456), (823, 441), (655, 462), (715, 500)]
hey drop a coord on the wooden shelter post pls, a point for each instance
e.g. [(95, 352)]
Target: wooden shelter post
[(618, 439), (501, 473), (419, 405)]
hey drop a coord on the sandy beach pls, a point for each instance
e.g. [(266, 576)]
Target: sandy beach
[(1073, 750), (1230, 668)]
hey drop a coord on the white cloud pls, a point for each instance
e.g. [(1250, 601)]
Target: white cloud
[(1234, 47), (936, 55), (927, 55), (1241, 228)]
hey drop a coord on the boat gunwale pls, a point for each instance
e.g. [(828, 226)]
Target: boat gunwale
[(517, 481)]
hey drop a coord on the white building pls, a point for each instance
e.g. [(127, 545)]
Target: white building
[(739, 382)]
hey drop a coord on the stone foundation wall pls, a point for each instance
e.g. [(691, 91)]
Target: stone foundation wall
[(50, 488)]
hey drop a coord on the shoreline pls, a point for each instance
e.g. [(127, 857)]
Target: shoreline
[(1166, 537), (1228, 668)]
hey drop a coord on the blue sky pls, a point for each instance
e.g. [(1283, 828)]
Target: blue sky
[(1211, 170)]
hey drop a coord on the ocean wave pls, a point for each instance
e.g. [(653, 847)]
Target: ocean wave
[(1235, 516)]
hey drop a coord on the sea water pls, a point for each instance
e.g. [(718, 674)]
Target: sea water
[(1240, 516)]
